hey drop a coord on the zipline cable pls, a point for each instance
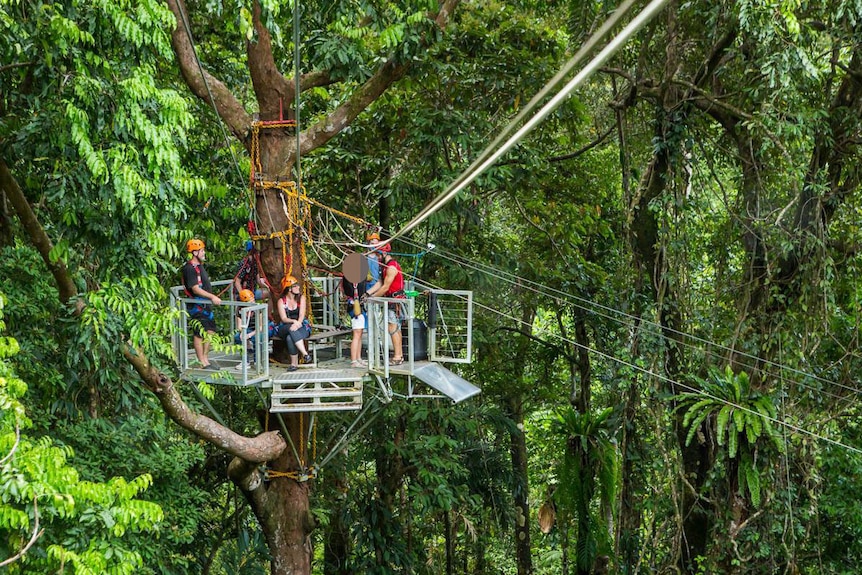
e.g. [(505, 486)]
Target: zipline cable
[(636, 24), (590, 306), (585, 49), (674, 382), (296, 79), (547, 292)]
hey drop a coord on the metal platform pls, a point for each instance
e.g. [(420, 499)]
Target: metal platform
[(225, 369), (317, 389), (329, 383)]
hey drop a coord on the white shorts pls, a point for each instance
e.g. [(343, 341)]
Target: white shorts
[(358, 322)]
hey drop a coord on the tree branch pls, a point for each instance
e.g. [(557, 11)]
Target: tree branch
[(264, 447), (270, 86), (38, 237), (314, 80), (15, 65), (225, 104), (388, 73), (33, 538), (326, 129), (585, 149)]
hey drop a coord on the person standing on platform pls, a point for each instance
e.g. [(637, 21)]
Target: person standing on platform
[(372, 238), (354, 293), (197, 285), (391, 284)]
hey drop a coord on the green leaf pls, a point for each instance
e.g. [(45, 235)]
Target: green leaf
[(721, 423)]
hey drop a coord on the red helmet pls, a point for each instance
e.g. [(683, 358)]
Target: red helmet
[(385, 249), (246, 295)]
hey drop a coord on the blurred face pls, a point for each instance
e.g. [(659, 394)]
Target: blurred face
[(201, 254)]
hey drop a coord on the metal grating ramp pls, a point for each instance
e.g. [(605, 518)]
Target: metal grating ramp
[(317, 390), (453, 386)]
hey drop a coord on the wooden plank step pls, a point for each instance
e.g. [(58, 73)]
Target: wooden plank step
[(318, 386), (316, 389), (330, 333)]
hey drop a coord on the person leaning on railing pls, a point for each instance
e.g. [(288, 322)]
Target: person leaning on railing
[(391, 284), (197, 285)]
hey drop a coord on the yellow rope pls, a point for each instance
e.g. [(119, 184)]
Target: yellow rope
[(340, 213), (295, 475), (271, 236), (301, 440), (289, 188), (311, 472), (255, 148), (275, 124)]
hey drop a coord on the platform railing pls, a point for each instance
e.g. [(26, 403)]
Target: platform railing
[(379, 339), (449, 318), (325, 301), (232, 360), (448, 315)]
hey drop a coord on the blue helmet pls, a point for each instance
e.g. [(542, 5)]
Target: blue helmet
[(249, 245)]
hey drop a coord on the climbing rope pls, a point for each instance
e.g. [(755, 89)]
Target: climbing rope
[(305, 471)]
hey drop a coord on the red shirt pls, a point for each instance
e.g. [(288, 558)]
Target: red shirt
[(398, 283)]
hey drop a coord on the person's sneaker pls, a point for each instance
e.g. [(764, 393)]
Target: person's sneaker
[(292, 368), (306, 358), (249, 366)]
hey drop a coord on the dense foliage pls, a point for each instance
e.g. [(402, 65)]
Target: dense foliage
[(665, 273)]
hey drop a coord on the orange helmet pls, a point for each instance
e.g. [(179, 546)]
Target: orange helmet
[(194, 245), (246, 295), (372, 236), (288, 282)]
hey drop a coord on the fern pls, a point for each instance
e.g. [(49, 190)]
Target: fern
[(743, 420)]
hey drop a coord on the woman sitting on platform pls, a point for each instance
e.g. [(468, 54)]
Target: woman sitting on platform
[(294, 326)]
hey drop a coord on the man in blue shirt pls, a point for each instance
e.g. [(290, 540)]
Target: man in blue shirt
[(372, 238)]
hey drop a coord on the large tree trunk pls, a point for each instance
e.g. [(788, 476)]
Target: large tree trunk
[(337, 543), (514, 405), (5, 222), (289, 523), (281, 505), (520, 488), (650, 259)]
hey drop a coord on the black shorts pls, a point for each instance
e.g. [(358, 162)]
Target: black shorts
[(201, 320)]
